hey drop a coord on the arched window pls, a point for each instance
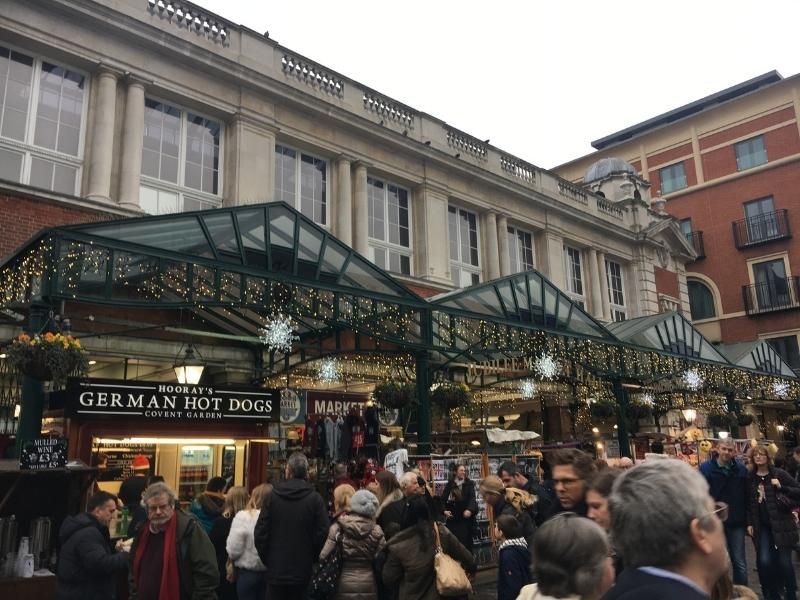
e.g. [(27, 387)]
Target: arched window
[(701, 300)]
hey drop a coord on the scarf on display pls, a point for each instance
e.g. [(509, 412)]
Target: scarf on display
[(170, 579)]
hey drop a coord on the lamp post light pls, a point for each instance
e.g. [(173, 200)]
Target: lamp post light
[(189, 368), (689, 414)]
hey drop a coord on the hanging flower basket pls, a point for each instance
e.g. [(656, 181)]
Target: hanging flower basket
[(49, 357), (603, 409), (744, 420), (395, 394), (637, 409), (722, 420), (450, 395)]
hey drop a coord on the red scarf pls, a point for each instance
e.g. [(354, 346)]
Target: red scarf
[(170, 579)]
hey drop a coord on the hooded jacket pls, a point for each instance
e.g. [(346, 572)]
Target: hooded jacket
[(513, 569), (409, 562), (206, 508), (290, 532), (362, 540), (521, 515), (197, 560), (87, 562)]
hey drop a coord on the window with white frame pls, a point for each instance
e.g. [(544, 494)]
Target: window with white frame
[(616, 290), (42, 115), (301, 180), (389, 226), (574, 275), (465, 267), (180, 160), (520, 249), (673, 178), (750, 153)]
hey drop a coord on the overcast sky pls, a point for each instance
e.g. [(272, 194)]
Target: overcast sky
[(540, 79)]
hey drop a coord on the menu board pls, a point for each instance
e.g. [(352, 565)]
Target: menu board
[(43, 453), (120, 458)]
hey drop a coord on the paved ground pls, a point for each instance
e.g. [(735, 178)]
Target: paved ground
[(485, 585)]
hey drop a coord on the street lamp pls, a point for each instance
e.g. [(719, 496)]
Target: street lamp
[(189, 368), (689, 414)]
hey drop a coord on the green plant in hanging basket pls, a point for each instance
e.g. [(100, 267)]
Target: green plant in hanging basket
[(448, 394), (722, 420), (603, 409), (395, 394), (48, 357), (744, 419), (637, 409)]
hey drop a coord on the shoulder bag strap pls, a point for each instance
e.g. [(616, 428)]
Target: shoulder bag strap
[(438, 539)]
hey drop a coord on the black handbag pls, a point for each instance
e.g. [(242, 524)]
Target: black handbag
[(784, 502), (325, 575)]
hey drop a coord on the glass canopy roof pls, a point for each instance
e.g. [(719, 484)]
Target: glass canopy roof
[(758, 355)]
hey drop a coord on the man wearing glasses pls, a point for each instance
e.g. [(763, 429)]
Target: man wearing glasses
[(727, 481), (171, 556), (669, 531), (572, 469)]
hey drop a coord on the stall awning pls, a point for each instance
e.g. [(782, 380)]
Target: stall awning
[(503, 436)]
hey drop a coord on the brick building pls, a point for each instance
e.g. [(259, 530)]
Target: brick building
[(728, 167)]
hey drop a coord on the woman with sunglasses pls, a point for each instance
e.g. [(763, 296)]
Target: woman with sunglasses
[(771, 494)]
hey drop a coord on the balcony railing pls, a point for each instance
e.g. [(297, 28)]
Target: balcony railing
[(771, 296), (761, 229), (695, 239)]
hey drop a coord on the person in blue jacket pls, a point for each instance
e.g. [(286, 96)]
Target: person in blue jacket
[(514, 566), (727, 482)]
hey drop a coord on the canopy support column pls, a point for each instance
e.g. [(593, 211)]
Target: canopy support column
[(621, 396), (32, 404)]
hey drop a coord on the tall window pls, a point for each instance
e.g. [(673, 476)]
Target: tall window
[(771, 284), (180, 160), (686, 228), (672, 178), (616, 291), (520, 247), (465, 269), (788, 350), (41, 122), (750, 153), (574, 275), (701, 300), (761, 220), (301, 180), (389, 231)]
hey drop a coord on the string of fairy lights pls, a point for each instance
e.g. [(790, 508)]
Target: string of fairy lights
[(558, 367)]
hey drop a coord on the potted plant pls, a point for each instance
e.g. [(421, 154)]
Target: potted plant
[(744, 419), (722, 420), (51, 356), (448, 394), (603, 409), (637, 409), (395, 394)]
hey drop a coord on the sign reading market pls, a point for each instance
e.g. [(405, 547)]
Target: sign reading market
[(157, 401)]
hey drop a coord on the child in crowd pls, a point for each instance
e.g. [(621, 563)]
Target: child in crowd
[(513, 571)]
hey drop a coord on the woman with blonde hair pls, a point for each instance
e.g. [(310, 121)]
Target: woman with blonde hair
[(341, 499), (235, 500), (251, 582)]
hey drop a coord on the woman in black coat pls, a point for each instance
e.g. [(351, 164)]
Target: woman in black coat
[(235, 500), (460, 506), (772, 525)]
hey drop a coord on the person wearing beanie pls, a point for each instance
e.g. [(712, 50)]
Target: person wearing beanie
[(130, 492), (362, 540)]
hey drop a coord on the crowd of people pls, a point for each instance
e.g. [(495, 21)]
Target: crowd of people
[(658, 530)]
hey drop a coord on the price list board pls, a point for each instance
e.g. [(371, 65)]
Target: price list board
[(120, 458)]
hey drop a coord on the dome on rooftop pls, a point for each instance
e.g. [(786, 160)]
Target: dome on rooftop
[(605, 167)]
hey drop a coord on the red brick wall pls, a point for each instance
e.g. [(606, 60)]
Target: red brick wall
[(423, 291), (667, 282), (779, 143), (669, 156), (746, 128), (21, 217)]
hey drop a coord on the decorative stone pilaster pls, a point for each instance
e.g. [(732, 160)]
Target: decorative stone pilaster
[(492, 262), (101, 150), (132, 142), (502, 239), (432, 251), (595, 274), (605, 302), (344, 200), (251, 156), (360, 211), (553, 264)]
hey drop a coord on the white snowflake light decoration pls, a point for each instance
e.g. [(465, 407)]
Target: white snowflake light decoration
[(278, 334), (329, 371), (692, 379), (780, 389), (648, 399), (546, 366), (528, 389)]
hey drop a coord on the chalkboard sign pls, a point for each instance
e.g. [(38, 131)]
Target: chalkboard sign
[(119, 458), (43, 453)]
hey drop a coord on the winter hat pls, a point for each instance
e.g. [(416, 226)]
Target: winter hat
[(364, 503), (140, 461), (492, 484)]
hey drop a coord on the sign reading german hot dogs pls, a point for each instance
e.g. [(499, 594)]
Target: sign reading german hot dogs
[(149, 400)]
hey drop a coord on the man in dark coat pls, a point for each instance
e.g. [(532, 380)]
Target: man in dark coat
[(291, 531), (669, 532), (544, 507), (88, 564), (727, 482), (572, 471)]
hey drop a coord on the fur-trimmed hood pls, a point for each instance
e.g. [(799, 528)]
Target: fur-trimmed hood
[(393, 497)]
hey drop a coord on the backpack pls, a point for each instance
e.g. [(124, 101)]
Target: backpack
[(325, 575)]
